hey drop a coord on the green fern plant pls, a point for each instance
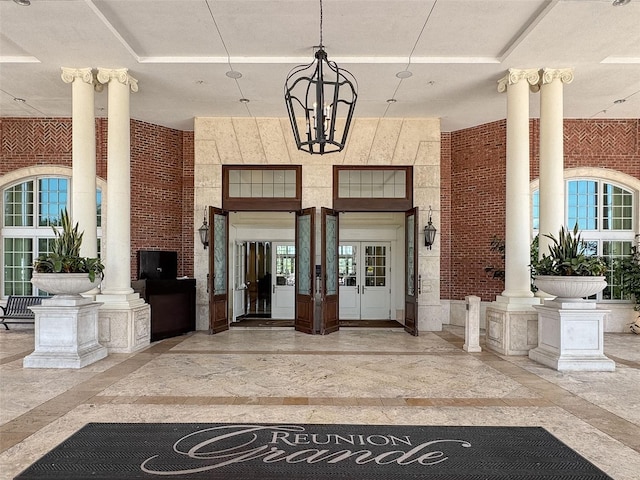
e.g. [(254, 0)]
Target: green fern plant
[(65, 253)]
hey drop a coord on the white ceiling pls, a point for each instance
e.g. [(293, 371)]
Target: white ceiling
[(457, 50)]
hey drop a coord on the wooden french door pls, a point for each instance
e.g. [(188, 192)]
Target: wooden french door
[(330, 281), (218, 270), (411, 271), (305, 270)]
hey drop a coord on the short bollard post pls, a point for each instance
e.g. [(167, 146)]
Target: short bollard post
[(472, 325)]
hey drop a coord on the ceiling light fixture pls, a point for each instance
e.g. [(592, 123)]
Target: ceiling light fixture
[(404, 74), (391, 100), (233, 74), (19, 100), (620, 100), (244, 100), (23, 3), (619, 3), (317, 94)]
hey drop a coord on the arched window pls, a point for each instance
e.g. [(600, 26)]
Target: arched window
[(606, 216), (30, 208)]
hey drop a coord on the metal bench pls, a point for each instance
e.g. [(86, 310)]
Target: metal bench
[(17, 311)]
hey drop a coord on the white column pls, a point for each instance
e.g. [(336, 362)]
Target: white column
[(83, 152), (518, 224), (117, 279), (552, 197)]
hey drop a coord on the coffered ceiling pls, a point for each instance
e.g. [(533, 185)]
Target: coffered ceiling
[(180, 51)]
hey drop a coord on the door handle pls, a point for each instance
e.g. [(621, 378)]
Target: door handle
[(358, 289), (274, 289), (419, 284)]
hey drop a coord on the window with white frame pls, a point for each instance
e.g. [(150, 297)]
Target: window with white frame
[(605, 215), (30, 209)]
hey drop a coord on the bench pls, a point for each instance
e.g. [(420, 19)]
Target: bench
[(16, 310)]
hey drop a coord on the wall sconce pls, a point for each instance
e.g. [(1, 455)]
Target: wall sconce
[(429, 232), (204, 230)]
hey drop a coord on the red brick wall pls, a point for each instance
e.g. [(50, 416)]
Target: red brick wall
[(161, 193), (445, 215), (472, 167), (477, 207), (478, 169), (25, 142)]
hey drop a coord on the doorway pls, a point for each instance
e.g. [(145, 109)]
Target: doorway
[(365, 280)]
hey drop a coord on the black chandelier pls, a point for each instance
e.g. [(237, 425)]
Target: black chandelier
[(316, 95)]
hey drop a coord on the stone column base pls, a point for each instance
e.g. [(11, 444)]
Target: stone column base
[(66, 334), (125, 323), (512, 328), (571, 338)]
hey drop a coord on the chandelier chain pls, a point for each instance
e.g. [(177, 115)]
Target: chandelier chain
[(321, 24)]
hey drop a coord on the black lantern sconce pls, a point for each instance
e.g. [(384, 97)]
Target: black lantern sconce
[(429, 232), (316, 95), (204, 231)]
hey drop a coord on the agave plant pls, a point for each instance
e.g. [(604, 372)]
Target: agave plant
[(65, 253), (567, 257)]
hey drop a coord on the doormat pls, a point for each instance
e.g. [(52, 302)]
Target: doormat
[(250, 451)]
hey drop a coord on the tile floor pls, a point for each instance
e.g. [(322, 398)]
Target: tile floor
[(365, 376)]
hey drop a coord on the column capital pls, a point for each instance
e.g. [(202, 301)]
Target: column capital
[(69, 75), (105, 75), (548, 75), (514, 75)]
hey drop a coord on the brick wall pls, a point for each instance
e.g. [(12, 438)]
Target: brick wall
[(478, 170), (472, 166), (158, 180), (445, 215)]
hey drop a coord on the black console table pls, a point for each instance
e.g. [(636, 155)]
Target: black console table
[(173, 305)]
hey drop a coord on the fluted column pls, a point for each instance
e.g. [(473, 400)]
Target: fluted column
[(83, 153), (517, 236), (552, 196), (118, 238)]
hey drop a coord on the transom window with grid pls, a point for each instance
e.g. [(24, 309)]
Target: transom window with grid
[(605, 214), (30, 209)]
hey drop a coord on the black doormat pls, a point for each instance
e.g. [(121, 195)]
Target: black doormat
[(129, 451)]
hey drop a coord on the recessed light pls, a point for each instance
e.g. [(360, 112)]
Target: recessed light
[(233, 74), (19, 100), (392, 100), (620, 100), (619, 3), (404, 74), (23, 3), (244, 100)]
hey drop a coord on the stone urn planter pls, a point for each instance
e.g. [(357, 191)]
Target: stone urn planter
[(570, 327), (66, 325), (570, 289), (64, 284)]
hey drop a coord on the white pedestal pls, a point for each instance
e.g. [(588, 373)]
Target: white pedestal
[(66, 334), (512, 325), (472, 325), (125, 323), (571, 337)]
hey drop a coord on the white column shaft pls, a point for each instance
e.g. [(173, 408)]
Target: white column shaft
[(517, 235), (118, 230), (552, 195), (83, 184)]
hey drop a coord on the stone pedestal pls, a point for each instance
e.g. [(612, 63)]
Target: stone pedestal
[(66, 334), (512, 326), (472, 325), (571, 337), (125, 323)]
